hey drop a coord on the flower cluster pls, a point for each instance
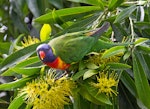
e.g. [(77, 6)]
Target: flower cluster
[(106, 82), (29, 41), (97, 59), (48, 93)]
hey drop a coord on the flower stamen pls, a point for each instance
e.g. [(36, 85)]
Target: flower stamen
[(106, 83), (46, 93), (29, 41)]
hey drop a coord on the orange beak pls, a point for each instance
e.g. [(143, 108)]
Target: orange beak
[(42, 54)]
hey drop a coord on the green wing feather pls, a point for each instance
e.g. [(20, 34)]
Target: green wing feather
[(72, 48)]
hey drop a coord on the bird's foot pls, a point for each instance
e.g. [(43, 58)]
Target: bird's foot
[(62, 75)]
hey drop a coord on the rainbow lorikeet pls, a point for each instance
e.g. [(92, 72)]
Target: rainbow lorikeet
[(61, 51)]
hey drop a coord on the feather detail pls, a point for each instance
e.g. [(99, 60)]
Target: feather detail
[(58, 64)]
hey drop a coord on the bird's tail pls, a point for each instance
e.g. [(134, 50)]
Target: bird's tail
[(99, 31)]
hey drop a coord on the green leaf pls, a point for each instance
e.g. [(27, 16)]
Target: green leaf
[(78, 74), (144, 60), (113, 4), (82, 23), (94, 92), (140, 41), (142, 25), (56, 3), (15, 84), (91, 66), (114, 51), (118, 66), (66, 14), (29, 62), (18, 21), (89, 73), (141, 81), (88, 96), (125, 13), (27, 71), (144, 49), (82, 65), (24, 71), (16, 103), (141, 105), (127, 55), (145, 33), (146, 64), (129, 83), (18, 56), (33, 6), (4, 48), (119, 31), (25, 67), (91, 2)]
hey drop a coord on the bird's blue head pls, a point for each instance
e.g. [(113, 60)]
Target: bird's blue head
[(45, 53)]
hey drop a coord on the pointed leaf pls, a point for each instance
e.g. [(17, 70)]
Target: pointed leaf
[(91, 2), (142, 25), (91, 66), (127, 55), (82, 23), (129, 83), (82, 65), (15, 84), (88, 96), (113, 51), (16, 103), (89, 73), (27, 71), (125, 13), (4, 48), (24, 65), (114, 4), (78, 74), (140, 41), (66, 14), (144, 49), (33, 6), (57, 3), (146, 64), (144, 60), (141, 81), (17, 57), (24, 71), (118, 66)]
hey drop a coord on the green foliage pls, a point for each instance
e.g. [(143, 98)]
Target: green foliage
[(141, 81), (113, 51), (124, 48), (67, 14), (17, 102)]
